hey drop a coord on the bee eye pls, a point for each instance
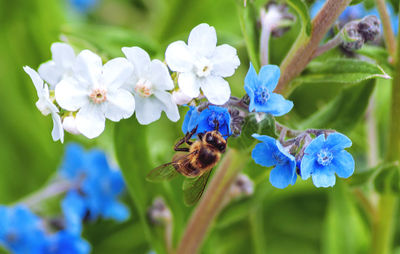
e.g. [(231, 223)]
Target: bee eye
[(209, 138), (221, 147)]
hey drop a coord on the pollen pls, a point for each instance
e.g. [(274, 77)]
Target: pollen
[(261, 95), (324, 157), (143, 88), (98, 95)]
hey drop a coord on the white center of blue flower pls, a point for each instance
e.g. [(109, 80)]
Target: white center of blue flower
[(261, 95), (215, 118), (324, 157)]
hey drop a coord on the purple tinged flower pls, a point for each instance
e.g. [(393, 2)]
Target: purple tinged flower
[(271, 153), (20, 230), (325, 157), (207, 120), (260, 89)]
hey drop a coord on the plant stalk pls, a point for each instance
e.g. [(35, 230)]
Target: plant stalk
[(304, 47), (211, 202), (388, 33), (383, 228)]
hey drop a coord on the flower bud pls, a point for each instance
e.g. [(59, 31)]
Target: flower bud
[(243, 186), (69, 124), (159, 213), (180, 98)]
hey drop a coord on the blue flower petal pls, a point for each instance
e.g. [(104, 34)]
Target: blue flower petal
[(185, 124), (262, 154), (343, 164), (73, 164), (337, 141), (282, 175), (251, 80), (307, 166), (322, 179), (269, 76), (316, 145), (276, 105), (116, 211)]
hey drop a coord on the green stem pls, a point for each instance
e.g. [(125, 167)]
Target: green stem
[(304, 47), (388, 33), (211, 202), (383, 228)]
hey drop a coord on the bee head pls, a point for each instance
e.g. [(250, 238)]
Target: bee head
[(215, 139)]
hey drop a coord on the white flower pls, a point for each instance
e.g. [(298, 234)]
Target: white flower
[(61, 65), (69, 124), (96, 91), (149, 83), (203, 64), (45, 105)]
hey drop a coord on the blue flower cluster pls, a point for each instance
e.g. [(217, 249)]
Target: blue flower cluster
[(99, 186), (22, 232), (207, 120), (358, 11), (94, 189), (322, 158), (83, 6)]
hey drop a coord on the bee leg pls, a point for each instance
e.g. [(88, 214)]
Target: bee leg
[(179, 143)]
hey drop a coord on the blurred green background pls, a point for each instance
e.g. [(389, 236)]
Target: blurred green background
[(299, 219)]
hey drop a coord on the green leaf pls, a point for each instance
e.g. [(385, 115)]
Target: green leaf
[(248, 22), (301, 8), (341, 70), (263, 124), (343, 112), (379, 54), (345, 231), (132, 155), (388, 180), (354, 2)]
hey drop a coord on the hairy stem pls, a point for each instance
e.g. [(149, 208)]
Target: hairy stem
[(304, 47), (383, 228), (388, 33), (211, 202)]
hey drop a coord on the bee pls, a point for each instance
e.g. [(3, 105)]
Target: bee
[(196, 163)]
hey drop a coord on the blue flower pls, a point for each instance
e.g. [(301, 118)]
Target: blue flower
[(260, 90), (99, 188), (325, 157), (20, 230), (207, 120), (64, 242), (271, 153), (83, 5)]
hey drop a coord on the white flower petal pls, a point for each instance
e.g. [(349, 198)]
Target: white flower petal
[(70, 95), (148, 109), (88, 68), (90, 120), (159, 76), (225, 61), (116, 72), (37, 81), (51, 73), (120, 104), (203, 40), (216, 89), (189, 84), (179, 57), (139, 58), (58, 132), (63, 55), (170, 108)]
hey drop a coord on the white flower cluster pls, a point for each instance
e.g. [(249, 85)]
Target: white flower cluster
[(80, 92)]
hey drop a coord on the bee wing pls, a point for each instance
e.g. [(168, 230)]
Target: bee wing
[(167, 171), (193, 188)]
